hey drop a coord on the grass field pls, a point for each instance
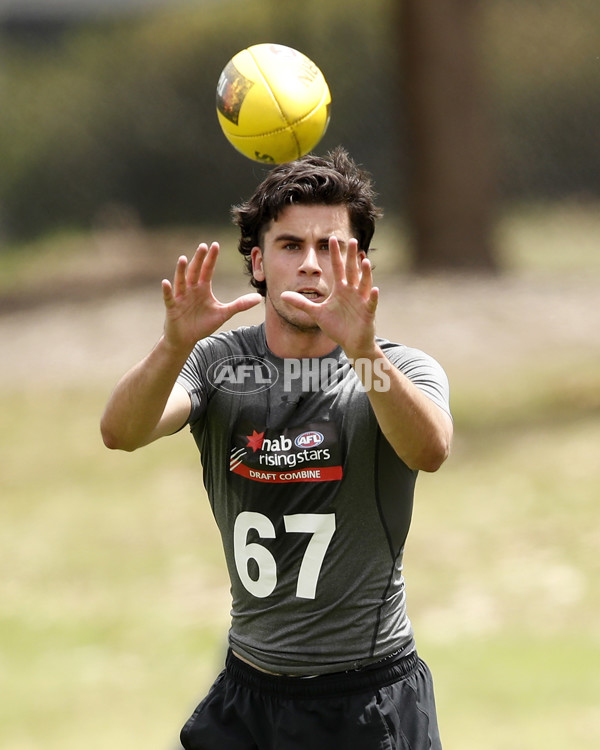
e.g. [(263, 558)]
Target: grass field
[(114, 599)]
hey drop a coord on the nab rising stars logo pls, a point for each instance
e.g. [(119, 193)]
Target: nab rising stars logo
[(294, 455)]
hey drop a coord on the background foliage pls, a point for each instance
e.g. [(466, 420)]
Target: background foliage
[(110, 120)]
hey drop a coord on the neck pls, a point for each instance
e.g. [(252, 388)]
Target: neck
[(288, 341)]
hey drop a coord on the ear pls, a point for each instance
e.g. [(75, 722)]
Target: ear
[(256, 256)]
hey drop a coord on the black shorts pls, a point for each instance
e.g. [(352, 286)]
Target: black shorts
[(387, 706)]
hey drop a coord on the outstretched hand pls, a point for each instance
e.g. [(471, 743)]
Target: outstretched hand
[(347, 315), (192, 310)]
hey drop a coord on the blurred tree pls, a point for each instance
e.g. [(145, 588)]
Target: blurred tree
[(123, 113), (450, 180)]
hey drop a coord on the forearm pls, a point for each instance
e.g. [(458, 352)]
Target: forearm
[(135, 414), (418, 430)]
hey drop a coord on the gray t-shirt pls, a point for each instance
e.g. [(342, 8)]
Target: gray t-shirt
[(312, 503)]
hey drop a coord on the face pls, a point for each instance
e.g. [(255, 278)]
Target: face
[(295, 257)]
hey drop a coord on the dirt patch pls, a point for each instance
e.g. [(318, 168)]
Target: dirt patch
[(471, 324)]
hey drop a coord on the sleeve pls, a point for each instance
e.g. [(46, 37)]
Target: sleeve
[(193, 378), (195, 375), (422, 370)]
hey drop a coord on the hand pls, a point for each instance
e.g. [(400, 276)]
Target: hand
[(347, 315), (192, 310)]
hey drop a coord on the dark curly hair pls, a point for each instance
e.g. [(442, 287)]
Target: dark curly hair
[(332, 180)]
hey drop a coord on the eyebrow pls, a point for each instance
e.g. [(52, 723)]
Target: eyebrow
[(288, 237)]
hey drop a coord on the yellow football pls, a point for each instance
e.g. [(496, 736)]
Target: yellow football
[(272, 103)]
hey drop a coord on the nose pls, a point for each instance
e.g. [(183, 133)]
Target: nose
[(310, 262)]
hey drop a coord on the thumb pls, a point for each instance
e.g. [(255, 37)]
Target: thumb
[(245, 302), (299, 301)]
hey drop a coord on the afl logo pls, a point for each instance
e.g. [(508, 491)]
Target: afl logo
[(242, 374), (309, 439)]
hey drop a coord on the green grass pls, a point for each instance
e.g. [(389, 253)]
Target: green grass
[(551, 238), (24, 263), (519, 692), (502, 570), (113, 601), (114, 598)]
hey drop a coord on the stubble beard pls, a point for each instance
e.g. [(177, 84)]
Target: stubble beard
[(305, 325)]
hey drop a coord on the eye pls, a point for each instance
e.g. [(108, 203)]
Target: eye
[(324, 247), (291, 246)]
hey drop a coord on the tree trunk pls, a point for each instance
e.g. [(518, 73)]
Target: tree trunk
[(450, 181)]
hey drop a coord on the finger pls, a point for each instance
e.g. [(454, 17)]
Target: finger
[(195, 266), (366, 278), (179, 282), (210, 261), (167, 292), (352, 263), (337, 264), (373, 300)]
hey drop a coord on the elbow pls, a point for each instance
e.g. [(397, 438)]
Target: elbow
[(437, 448), (431, 456), (435, 455), (432, 463), (113, 441)]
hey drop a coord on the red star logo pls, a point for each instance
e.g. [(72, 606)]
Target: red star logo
[(255, 440)]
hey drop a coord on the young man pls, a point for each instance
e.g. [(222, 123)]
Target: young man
[(311, 431)]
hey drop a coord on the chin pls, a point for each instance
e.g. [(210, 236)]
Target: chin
[(299, 321), (293, 318), (303, 324)]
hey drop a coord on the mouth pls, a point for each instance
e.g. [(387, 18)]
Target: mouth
[(310, 294)]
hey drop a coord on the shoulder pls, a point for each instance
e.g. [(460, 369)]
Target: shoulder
[(243, 340), (421, 369), (401, 355)]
